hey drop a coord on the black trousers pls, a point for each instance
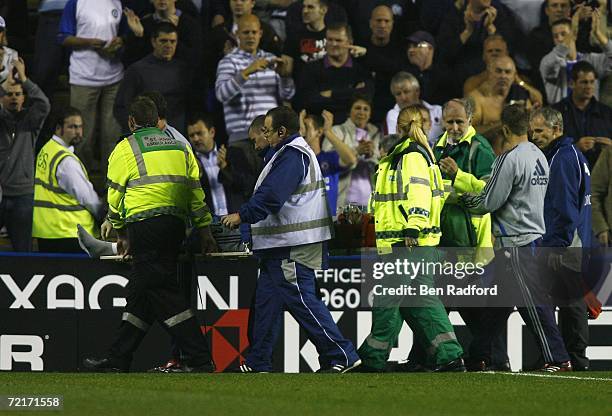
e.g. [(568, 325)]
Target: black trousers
[(155, 294), (519, 274), (568, 295)]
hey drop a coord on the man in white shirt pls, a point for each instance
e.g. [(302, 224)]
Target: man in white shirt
[(91, 29), (406, 90), (63, 194), (201, 132)]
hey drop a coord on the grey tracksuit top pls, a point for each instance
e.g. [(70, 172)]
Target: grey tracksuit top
[(515, 195)]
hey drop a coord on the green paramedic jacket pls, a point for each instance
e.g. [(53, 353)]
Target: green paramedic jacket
[(474, 157)]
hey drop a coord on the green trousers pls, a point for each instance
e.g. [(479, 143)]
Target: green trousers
[(428, 321)]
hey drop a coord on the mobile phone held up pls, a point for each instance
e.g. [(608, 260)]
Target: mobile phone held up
[(593, 4)]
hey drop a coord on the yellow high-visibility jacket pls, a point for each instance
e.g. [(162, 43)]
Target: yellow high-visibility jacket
[(152, 174), (408, 197), (56, 212)]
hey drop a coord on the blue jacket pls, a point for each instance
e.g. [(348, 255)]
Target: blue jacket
[(287, 173), (567, 205)]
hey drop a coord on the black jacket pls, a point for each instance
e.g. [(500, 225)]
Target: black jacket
[(595, 120), (241, 173), (343, 83)]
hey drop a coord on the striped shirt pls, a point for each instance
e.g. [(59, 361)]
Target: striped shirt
[(243, 100)]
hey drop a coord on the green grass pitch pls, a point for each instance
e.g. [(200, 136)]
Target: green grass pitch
[(317, 394)]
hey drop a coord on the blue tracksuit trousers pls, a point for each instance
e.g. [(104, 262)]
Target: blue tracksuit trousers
[(287, 284)]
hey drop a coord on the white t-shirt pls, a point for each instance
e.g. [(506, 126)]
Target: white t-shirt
[(94, 19), (435, 117)]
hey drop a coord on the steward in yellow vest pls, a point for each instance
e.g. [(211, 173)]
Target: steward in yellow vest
[(63, 195)]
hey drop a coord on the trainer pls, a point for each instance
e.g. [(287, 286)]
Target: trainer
[(567, 213), (290, 223), (515, 196), (154, 188)]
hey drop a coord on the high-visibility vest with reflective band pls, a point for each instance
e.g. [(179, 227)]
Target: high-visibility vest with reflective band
[(152, 174), (409, 196), (56, 212), (305, 217)]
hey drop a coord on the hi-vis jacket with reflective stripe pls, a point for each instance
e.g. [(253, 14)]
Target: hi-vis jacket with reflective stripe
[(151, 174), (408, 198), (305, 217), (56, 212), (474, 157)]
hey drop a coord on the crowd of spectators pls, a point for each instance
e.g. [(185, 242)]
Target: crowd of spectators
[(217, 65)]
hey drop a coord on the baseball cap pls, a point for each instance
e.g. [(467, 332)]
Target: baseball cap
[(2, 23), (422, 36)]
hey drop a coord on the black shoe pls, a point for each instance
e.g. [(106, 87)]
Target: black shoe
[(477, 366), (455, 366), (105, 365), (410, 367), (340, 369), (364, 369), (204, 368), (578, 367), (505, 367)]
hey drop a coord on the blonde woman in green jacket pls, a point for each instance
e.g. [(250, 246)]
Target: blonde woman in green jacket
[(407, 203)]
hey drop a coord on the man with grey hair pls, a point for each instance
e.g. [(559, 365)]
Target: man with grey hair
[(567, 215), (465, 159), (406, 90)]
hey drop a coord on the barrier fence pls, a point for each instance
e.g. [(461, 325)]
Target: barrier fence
[(56, 310)]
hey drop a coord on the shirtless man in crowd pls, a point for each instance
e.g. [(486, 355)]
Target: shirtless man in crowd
[(502, 87)]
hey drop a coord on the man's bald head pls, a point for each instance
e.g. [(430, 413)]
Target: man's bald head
[(382, 10), (504, 61), (249, 33), (502, 73), (248, 19), (381, 23), (494, 47)]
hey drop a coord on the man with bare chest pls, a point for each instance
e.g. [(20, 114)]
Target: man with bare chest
[(502, 87)]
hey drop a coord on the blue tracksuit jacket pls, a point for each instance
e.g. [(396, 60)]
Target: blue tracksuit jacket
[(567, 205)]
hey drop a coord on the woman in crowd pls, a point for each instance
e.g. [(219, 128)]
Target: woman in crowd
[(358, 133)]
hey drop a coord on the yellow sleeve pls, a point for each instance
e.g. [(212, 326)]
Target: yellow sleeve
[(199, 211), (466, 182), (116, 180), (416, 182)]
